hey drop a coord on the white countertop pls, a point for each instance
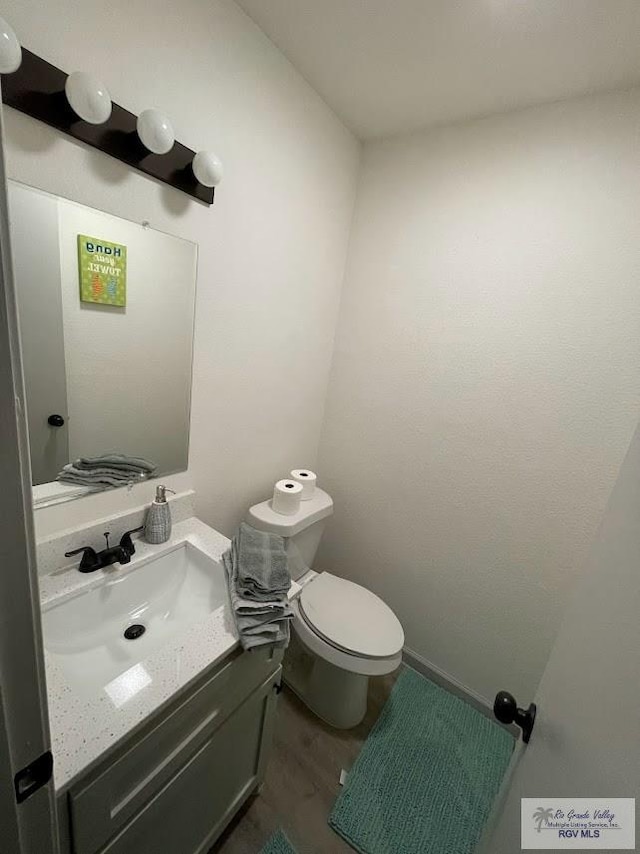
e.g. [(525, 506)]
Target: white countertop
[(84, 728)]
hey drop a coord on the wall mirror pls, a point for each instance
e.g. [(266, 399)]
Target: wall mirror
[(106, 312)]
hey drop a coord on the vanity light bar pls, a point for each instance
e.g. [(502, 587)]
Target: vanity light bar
[(77, 104)]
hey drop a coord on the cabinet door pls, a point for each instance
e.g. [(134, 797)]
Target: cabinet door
[(195, 806), (107, 799)]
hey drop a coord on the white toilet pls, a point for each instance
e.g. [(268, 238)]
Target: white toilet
[(342, 633)]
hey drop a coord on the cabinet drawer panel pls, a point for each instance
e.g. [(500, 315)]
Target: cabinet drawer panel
[(191, 811), (109, 798)]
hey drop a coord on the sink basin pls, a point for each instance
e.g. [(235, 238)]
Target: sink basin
[(100, 637)]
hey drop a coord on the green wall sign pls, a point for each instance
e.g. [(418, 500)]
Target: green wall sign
[(103, 271)]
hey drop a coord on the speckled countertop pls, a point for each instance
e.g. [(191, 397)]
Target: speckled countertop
[(86, 726)]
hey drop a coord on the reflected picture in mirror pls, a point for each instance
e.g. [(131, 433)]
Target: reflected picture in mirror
[(106, 311)]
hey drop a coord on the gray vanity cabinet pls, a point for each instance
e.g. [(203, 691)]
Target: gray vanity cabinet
[(175, 785)]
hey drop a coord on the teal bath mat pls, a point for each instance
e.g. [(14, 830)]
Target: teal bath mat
[(426, 777), (278, 844)]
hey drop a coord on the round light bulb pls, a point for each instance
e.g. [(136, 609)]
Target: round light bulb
[(88, 97), (207, 168), (10, 50), (155, 131)]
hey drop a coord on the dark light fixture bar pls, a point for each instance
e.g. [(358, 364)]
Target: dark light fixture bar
[(37, 89)]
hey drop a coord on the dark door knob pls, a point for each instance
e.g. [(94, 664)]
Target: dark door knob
[(56, 420), (506, 711)]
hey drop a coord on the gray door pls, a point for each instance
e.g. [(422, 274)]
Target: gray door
[(586, 741), (27, 824), (36, 268)]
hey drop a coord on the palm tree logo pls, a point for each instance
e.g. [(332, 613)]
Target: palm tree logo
[(542, 815)]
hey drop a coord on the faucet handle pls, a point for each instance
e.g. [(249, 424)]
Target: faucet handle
[(126, 542), (89, 560)]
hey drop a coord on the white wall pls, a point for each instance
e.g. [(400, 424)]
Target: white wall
[(271, 249), (486, 379)]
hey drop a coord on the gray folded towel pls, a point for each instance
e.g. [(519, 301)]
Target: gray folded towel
[(106, 470), (101, 477), (118, 461), (97, 480), (262, 561), (122, 474), (258, 579)]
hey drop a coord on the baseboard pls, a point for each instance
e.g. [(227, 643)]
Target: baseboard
[(452, 685)]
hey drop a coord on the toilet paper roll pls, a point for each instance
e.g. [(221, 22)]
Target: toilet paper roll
[(307, 480), (286, 497)]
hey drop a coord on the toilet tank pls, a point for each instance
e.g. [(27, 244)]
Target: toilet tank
[(303, 529)]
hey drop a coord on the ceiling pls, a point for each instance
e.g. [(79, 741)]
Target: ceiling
[(394, 66)]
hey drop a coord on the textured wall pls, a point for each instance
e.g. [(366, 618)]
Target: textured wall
[(272, 248), (486, 378)]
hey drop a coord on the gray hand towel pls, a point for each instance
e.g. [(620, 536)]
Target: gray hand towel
[(107, 470), (262, 619), (120, 461), (100, 477), (122, 474), (262, 560), (251, 641), (100, 480)]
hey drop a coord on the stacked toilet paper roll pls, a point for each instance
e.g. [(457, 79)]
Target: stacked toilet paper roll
[(307, 481), (286, 497)]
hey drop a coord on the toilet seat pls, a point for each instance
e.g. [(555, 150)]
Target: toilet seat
[(349, 625)]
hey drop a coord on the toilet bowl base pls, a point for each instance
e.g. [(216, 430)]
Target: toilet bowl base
[(337, 696)]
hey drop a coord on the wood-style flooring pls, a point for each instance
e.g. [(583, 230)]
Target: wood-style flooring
[(303, 779)]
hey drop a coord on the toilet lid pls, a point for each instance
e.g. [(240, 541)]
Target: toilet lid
[(350, 617)]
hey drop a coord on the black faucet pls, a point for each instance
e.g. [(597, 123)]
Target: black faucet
[(92, 560)]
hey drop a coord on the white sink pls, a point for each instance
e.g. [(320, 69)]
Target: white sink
[(164, 593)]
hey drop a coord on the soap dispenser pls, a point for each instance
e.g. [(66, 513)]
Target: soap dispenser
[(157, 526)]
